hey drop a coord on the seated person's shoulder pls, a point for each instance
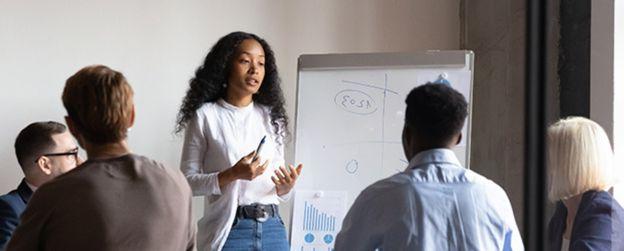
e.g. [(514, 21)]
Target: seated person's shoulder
[(160, 170), (397, 184), (10, 211), (146, 161), (485, 184), (618, 193), (9, 201), (155, 165), (393, 182), (10, 196), (489, 192), (597, 202), (138, 162), (76, 181)]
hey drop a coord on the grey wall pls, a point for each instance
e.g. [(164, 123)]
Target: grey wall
[(495, 31)]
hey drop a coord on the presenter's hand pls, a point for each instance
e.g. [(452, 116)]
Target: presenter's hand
[(248, 168), (285, 179)]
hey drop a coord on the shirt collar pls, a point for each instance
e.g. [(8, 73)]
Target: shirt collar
[(231, 107), (438, 155)]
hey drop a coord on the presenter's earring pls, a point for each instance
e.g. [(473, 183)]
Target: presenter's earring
[(224, 85)]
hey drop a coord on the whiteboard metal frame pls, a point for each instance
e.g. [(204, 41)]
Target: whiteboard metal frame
[(452, 59)]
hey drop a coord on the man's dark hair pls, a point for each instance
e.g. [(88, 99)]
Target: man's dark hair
[(435, 112), (35, 140)]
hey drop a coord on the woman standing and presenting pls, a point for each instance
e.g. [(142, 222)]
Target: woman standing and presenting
[(233, 103)]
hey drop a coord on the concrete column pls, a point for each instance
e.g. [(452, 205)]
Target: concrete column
[(601, 69), (495, 31), (618, 85)]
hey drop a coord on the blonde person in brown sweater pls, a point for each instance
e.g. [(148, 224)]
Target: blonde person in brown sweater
[(116, 200)]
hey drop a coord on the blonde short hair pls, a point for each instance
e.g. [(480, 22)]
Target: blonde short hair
[(99, 101), (579, 158)]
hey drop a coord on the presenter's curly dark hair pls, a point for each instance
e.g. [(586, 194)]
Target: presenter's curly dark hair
[(436, 112), (208, 83)]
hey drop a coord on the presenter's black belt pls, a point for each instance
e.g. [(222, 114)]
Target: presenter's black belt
[(258, 212)]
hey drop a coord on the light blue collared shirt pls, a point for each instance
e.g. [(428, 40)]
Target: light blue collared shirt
[(435, 204)]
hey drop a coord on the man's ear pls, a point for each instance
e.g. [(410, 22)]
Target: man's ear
[(44, 165), (409, 132), (406, 135), (408, 142), (459, 138), (131, 118)]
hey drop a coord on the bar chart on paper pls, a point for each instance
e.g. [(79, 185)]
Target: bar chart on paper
[(317, 218), (314, 220)]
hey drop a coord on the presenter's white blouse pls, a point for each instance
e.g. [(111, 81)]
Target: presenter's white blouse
[(218, 137)]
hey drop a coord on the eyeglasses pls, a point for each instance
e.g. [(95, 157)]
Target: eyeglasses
[(72, 152)]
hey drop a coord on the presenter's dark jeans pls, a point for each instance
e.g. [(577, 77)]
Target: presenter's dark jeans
[(248, 234)]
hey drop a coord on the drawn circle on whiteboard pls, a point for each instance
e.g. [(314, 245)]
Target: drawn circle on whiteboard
[(355, 101), (309, 238), (352, 166), (328, 238)]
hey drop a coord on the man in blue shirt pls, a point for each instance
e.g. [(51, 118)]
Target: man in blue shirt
[(44, 150), (435, 204)]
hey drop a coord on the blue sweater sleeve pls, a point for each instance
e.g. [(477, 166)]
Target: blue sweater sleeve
[(8, 222), (593, 225)]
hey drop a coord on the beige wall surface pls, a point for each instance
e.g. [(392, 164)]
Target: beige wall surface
[(159, 44), (618, 85)]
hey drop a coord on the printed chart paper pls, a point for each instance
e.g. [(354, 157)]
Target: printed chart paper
[(317, 218)]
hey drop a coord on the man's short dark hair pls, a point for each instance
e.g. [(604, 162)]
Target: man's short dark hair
[(435, 112), (35, 140)]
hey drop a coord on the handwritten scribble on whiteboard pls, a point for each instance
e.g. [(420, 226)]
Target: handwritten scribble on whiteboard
[(355, 101)]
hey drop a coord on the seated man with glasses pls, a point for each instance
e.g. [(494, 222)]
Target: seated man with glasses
[(44, 150)]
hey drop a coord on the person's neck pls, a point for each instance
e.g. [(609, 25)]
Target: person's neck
[(418, 149), (238, 100), (36, 178), (34, 181), (107, 151), (571, 205)]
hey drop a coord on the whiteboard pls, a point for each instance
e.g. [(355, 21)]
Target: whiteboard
[(350, 113)]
